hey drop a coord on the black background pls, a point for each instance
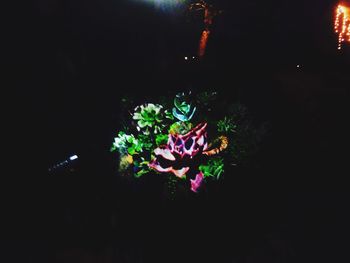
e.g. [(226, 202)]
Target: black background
[(67, 64)]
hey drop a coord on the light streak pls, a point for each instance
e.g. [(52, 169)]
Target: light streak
[(209, 13), (342, 24)]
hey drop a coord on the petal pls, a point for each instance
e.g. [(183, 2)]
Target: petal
[(181, 173), (205, 147), (179, 116), (196, 183), (201, 141), (165, 153), (141, 123), (193, 111), (159, 168), (137, 116)]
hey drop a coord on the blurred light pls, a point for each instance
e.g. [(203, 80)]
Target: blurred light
[(73, 157), (64, 164), (203, 43), (209, 12), (342, 24), (166, 5), (186, 58)]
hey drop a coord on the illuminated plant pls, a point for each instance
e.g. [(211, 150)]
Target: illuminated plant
[(173, 157), (161, 139), (183, 110), (149, 118), (126, 144), (180, 127), (173, 143), (214, 168)]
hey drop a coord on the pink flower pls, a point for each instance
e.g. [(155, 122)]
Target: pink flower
[(172, 158), (196, 183)]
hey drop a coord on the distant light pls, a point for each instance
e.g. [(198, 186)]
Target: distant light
[(298, 66), (186, 58), (73, 157), (193, 57)]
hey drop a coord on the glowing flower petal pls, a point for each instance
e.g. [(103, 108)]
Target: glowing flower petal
[(181, 173), (178, 149), (159, 168), (165, 153), (196, 183)]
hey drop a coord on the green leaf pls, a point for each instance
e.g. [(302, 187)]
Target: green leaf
[(161, 139), (141, 172), (214, 168), (131, 150), (113, 148)]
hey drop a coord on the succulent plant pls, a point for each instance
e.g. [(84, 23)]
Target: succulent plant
[(161, 139), (174, 143), (183, 109), (173, 157), (180, 127), (150, 118), (126, 144)]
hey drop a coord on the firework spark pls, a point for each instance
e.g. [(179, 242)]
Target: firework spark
[(342, 24)]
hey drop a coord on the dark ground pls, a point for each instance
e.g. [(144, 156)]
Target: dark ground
[(70, 62)]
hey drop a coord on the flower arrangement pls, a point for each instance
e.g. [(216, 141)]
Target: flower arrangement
[(188, 142)]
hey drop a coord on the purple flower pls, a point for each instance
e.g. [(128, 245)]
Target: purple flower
[(196, 183), (174, 157)]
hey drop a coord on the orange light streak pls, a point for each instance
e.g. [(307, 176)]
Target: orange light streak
[(203, 43), (342, 24), (209, 14)]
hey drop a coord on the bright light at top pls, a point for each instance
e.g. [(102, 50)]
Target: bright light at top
[(73, 157), (342, 24), (166, 4), (169, 2)]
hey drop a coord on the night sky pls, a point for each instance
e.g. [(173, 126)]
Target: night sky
[(68, 63)]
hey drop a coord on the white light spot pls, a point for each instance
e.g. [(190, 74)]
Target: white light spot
[(186, 58), (73, 157)]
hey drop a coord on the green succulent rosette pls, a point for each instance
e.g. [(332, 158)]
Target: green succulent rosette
[(183, 109), (150, 118)]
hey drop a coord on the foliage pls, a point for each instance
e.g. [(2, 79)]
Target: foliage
[(141, 167), (161, 139), (226, 125), (180, 127), (149, 116), (166, 139), (183, 109), (126, 144), (146, 141), (214, 168)]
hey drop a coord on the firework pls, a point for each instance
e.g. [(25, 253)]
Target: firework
[(342, 24)]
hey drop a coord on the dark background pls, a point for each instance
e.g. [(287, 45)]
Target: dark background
[(67, 64)]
